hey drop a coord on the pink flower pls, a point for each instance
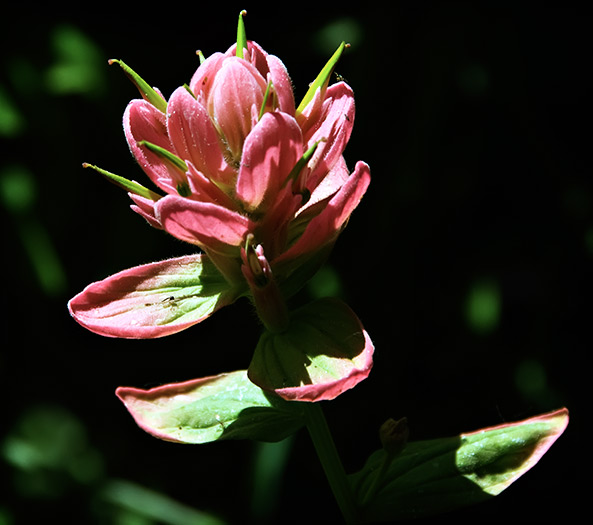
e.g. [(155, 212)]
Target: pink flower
[(240, 138), (259, 185)]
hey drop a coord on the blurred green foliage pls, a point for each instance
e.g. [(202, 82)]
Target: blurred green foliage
[(11, 120), (483, 306), (79, 64)]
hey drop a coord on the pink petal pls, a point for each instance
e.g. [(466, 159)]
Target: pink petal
[(201, 81), (205, 190), (328, 186), (333, 128), (326, 226), (270, 153), (282, 84), (256, 55), (195, 138), (208, 225), (145, 208), (237, 90), (142, 121), (271, 68), (153, 300)]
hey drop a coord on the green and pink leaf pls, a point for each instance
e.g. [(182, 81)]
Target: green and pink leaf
[(324, 352), (153, 300), (225, 406)]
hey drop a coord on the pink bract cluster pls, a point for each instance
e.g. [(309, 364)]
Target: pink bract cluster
[(238, 133)]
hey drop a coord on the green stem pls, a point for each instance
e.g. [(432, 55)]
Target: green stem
[(330, 460), (378, 480)]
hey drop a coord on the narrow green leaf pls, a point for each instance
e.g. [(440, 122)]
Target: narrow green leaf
[(147, 92), (265, 100), (126, 184), (435, 476), (322, 79), (152, 506), (306, 157), (225, 406)]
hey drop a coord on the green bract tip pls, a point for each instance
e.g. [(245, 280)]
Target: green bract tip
[(322, 79), (241, 36), (265, 100), (148, 93), (128, 185)]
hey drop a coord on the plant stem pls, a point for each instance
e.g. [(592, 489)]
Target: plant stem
[(330, 461)]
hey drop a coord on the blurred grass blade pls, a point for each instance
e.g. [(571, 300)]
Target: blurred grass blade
[(154, 505)]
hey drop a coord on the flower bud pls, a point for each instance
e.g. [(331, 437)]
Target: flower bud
[(394, 435)]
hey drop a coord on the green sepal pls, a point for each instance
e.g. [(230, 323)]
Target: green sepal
[(322, 79), (241, 35), (265, 100), (147, 92), (188, 89), (182, 187), (171, 158), (306, 157), (440, 475), (225, 406), (128, 185)]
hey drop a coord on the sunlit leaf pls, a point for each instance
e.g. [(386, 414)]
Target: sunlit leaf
[(153, 300), (226, 406), (322, 353)]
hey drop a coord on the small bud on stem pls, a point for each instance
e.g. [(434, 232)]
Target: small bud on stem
[(267, 298), (394, 435)]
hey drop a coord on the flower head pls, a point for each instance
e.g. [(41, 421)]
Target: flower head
[(258, 184), (236, 159)]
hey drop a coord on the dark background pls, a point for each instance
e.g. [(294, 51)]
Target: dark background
[(475, 120)]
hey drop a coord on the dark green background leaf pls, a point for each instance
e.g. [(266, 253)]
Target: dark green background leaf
[(436, 476)]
